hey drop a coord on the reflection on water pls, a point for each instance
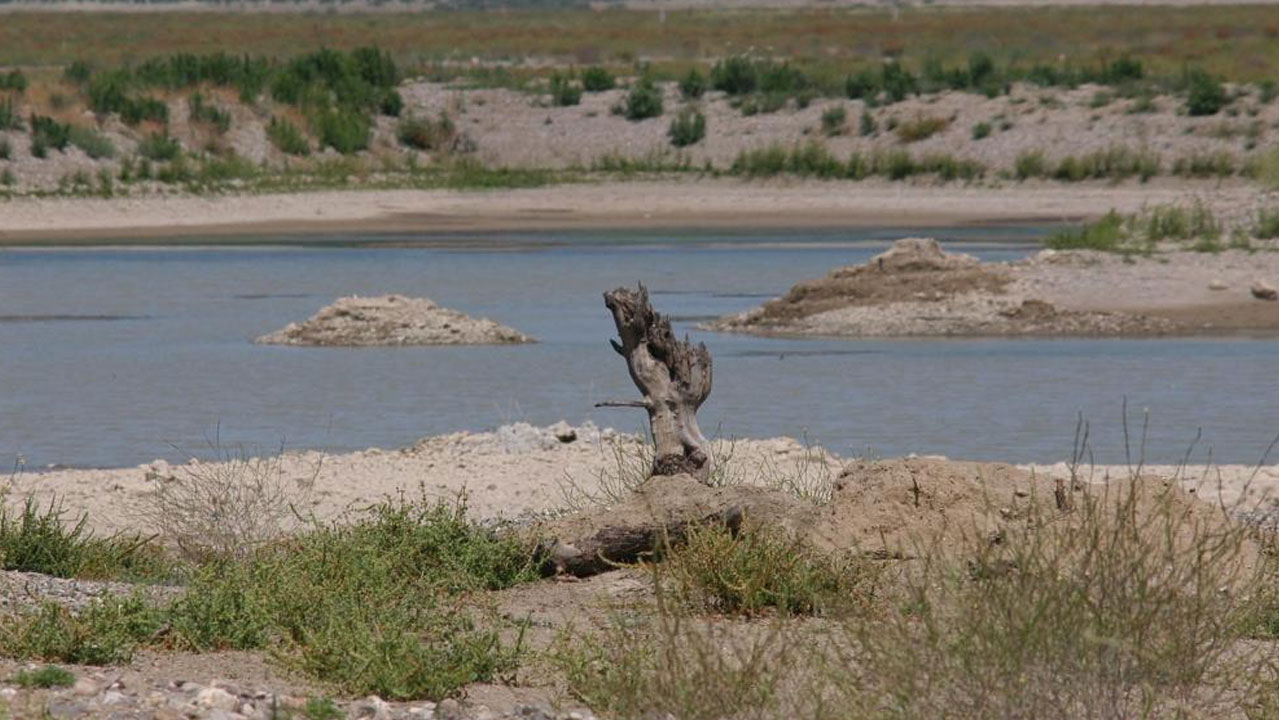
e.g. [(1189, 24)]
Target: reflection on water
[(176, 360)]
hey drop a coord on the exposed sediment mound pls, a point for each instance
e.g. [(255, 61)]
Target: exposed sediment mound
[(390, 320), (916, 288), (894, 509)]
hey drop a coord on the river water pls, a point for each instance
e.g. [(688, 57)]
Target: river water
[(115, 356)]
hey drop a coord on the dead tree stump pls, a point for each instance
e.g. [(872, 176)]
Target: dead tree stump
[(674, 378)]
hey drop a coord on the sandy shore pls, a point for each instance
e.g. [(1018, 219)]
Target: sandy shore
[(521, 472), (668, 204), (917, 289)]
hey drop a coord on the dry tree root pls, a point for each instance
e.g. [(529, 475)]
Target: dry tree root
[(674, 377)]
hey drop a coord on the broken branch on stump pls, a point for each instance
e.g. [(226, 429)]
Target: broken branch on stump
[(674, 377)]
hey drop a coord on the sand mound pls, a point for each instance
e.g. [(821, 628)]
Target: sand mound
[(918, 289), (910, 508), (938, 508), (393, 320)]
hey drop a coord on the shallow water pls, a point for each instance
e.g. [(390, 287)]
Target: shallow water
[(112, 357)]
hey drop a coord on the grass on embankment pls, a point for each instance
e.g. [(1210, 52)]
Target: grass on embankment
[(1194, 228), (1233, 41)]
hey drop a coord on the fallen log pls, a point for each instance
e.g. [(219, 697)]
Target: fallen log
[(660, 516)]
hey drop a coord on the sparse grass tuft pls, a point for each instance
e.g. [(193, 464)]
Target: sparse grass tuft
[(426, 134), (757, 570), (1129, 605), (834, 120), (1267, 225), (94, 144), (159, 147), (49, 676), (921, 128), (1105, 235), (43, 541), (286, 137)]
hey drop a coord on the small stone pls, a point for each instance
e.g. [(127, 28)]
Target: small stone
[(1264, 291), (113, 697), (564, 432), (84, 687), (1217, 284), (248, 709), (373, 707), (8, 693), (216, 698), (448, 709), (191, 687), (61, 709)]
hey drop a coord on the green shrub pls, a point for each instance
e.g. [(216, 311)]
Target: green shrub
[(736, 75), (1267, 225), (564, 91), (159, 147), (388, 589), (107, 632), (391, 103), (43, 541), (93, 143), (13, 80), (9, 118), (981, 131), (77, 73), (687, 128), (897, 82), (1106, 235), (867, 126), (202, 111), (862, 85), (7, 178), (921, 128), (1030, 164), (1205, 94), (48, 133), (693, 85), (286, 137), (49, 676), (346, 131), (425, 134), (834, 119), (643, 101), (144, 109), (1267, 91), (6, 149), (597, 79)]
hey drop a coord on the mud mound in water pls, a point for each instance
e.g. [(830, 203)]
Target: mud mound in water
[(390, 320)]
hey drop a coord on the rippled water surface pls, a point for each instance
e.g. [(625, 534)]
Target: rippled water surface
[(116, 356)]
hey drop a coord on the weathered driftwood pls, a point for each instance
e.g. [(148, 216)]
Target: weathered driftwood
[(674, 377), (660, 515)]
